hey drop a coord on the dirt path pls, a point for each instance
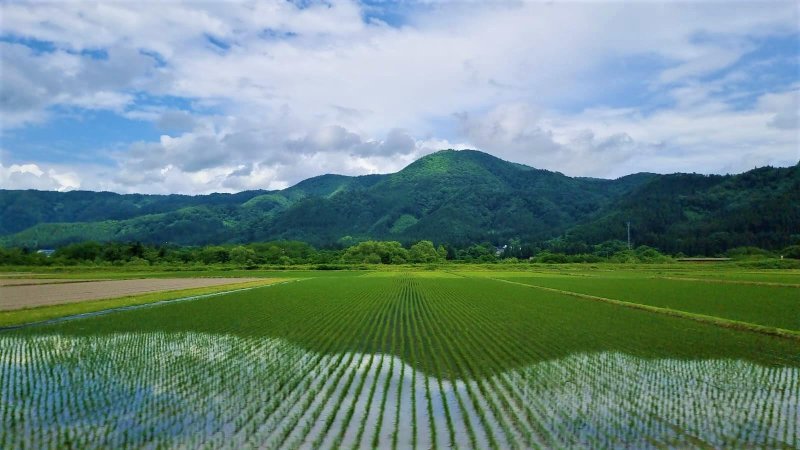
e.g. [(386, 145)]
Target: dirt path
[(26, 296)]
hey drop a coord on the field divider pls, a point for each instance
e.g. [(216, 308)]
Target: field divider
[(719, 281), (702, 318), (114, 309)]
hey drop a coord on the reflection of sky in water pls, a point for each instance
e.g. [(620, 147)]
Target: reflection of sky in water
[(189, 389)]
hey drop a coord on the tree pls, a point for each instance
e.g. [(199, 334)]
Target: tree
[(242, 256), (214, 254), (372, 258), (442, 252), (423, 252), (84, 251), (389, 252)]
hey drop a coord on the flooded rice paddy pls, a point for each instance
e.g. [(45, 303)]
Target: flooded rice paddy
[(203, 390)]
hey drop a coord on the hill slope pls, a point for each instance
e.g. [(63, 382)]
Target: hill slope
[(699, 214), (458, 197)]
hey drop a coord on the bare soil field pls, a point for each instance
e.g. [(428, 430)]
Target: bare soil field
[(28, 281), (31, 295)]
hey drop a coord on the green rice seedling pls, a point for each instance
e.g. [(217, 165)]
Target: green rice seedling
[(361, 361)]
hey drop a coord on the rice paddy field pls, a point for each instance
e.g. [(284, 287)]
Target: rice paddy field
[(435, 359)]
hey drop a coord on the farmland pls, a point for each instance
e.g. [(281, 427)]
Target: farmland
[(417, 360), (768, 304), (47, 292)]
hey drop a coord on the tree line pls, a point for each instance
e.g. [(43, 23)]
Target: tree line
[(291, 253)]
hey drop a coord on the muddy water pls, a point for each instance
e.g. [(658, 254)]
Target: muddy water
[(192, 390)]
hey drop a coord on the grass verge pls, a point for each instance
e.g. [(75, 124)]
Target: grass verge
[(42, 313)]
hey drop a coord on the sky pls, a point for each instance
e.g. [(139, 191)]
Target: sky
[(199, 97)]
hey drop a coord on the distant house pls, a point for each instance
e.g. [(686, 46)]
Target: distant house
[(46, 252), (499, 251)]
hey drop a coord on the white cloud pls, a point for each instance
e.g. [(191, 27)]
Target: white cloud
[(704, 137), (515, 132), (240, 156), (31, 176), (298, 91), (34, 82), (786, 109)]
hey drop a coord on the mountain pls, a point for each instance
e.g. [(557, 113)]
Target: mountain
[(451, 196), (456, 197), (705, 214)]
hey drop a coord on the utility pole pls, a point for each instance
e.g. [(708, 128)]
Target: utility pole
[(629, 234)]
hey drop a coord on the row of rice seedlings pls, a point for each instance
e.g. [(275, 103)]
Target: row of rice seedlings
[(326, 325), (370, 409), (463, 366), (398, 401), (368, 335), (497, 405), (235, 411), (432, 357), (94, 403), (415, 355), (249, 421), (301, 385), (579, 427), (431, 335), (506, 391), (679, 410), (411, 358), (481, 434), (377, 335), (373, 329), (233, 424), (384, 413), (266, 417), (571, 421), (217, 391), (388, 338), (373, 414), (289, 427), (622, 417), (174, 376), (425, 351), (481, 342), (321, 404), (391, 329)]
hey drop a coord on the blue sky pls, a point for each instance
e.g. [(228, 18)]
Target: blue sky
[(196, 97)]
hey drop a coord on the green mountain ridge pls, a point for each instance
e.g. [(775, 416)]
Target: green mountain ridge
[(455, 197)]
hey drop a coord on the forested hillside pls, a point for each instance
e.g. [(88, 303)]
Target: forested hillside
[(698, 214), (452, 197)]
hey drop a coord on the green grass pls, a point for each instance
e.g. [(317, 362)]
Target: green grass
[(43, 313)]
